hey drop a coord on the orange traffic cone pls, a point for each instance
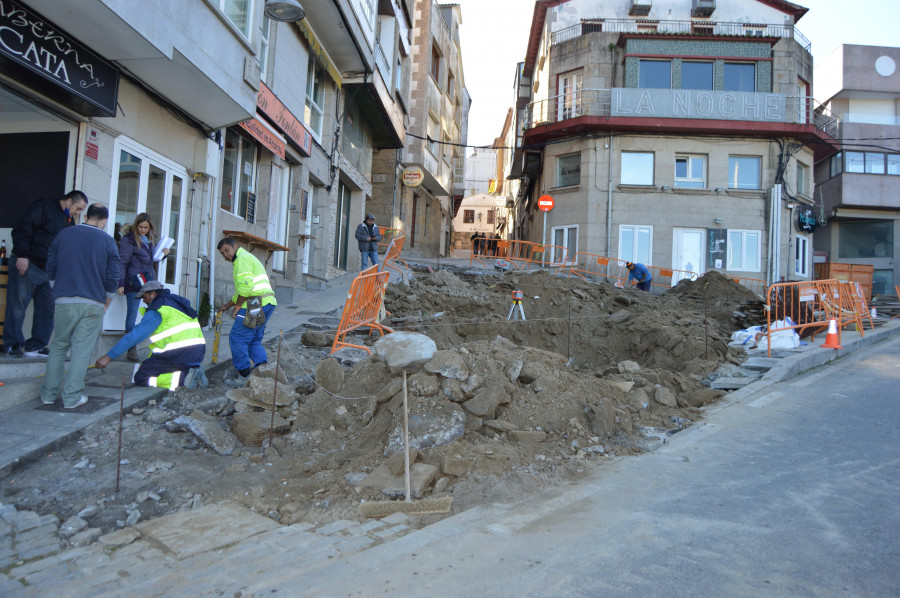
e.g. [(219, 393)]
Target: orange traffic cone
[(831, 339)]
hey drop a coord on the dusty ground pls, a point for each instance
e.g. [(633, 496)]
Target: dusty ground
[(504, 409)]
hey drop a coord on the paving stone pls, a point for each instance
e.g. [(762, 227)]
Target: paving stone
[(38, 547), (5, 528), (7, 560), (60, 573), (86, 537), (335, 527), (120, 537), (729, 383), (363, 528), (355, 544), (36, 532), (72, 526), (7, 511), (10, 587), (396, 518), (392, 532), (26, 520), (29, 568), (760, 363)]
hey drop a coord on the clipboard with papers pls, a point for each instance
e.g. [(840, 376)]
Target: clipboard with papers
[(163, 245)]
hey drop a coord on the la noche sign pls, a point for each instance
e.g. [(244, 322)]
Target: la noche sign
[(697, 104)]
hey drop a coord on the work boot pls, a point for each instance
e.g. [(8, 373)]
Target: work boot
[(236, 381), (133, 354)]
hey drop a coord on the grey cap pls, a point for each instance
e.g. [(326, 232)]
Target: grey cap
[(149, 286), (370, 216)]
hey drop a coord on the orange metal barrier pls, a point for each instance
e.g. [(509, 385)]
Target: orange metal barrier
[(364, 302), (809, 306), (754, 284), (392, 254), (521, 254), (862, 308), (590, 266), (388, 236)]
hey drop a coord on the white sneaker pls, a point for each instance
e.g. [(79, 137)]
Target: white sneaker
[(80, 402), (45, 352)]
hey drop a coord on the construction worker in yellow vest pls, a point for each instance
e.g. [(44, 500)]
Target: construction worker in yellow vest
[(252, 305), (177, 345)]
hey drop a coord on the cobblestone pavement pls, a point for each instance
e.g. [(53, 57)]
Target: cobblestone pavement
[(214, 550)]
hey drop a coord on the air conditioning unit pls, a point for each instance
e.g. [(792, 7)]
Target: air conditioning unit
[(532, 162), (640, 8), (703, 8)]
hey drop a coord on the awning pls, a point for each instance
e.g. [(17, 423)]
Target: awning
[(253, 241)]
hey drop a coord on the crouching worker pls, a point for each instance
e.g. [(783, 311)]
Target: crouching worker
[(176, 341)]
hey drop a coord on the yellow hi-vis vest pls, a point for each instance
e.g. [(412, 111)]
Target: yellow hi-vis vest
[(176, 331), (250, 278)]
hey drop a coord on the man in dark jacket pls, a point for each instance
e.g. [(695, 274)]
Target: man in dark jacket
[(368, 235), (32, 236), (83, 265)]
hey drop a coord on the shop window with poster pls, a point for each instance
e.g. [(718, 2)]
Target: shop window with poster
[(237, 195)]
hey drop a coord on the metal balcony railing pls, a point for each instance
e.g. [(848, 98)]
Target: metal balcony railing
[(679, 28), (598, 102)]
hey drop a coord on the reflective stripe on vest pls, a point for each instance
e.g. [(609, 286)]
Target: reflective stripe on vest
[(171, 381), (250, 278), (176, 331)]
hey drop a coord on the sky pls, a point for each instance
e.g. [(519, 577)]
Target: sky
[(494, 37)]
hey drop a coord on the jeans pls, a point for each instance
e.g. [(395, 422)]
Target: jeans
[(78, 327), (132, 304), (20, 290), (366, 256), (246, 343), (644, 286)]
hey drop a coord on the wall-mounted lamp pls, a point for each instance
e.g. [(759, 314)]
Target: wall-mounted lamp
[(719, 189), (664, 188), (718, 221), (284, 10)]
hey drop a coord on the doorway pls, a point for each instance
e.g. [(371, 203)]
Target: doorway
[(342, 227), (565, 237), (688, 252)]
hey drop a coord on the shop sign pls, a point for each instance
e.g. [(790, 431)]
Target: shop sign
[(262, 133), (269, 104), (92, 145), (412, 176), (806, 220), (90, 84)]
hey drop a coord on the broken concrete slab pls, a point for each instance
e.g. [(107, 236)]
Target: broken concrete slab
[(259, 392), (252, 427), (397, 462), (762, 364), (456, 465), (528, 436), (441, 424), (485, 403), (449, 364), (121, 537), (207, 429), (664, 396), (730, 383), (330, 376)]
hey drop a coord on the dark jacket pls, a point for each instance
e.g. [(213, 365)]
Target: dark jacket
[(36, 230), (363, 232), (83, 262), (135, 258)]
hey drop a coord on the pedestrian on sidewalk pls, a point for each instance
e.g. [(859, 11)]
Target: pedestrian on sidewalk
[(136, 251), (177, 345), (640, 275), (32, 236), (252, 305), (367, 236), (83, 267)]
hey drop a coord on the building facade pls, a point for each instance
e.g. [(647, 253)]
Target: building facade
[(858, 189), (679, 134), (423, 203), (212, 118)]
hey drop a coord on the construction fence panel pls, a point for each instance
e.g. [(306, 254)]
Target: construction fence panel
[(391, 245), (754, 284), (597, 268), (364, 302)]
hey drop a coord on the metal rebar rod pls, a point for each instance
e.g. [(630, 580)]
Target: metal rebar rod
[(119, 451), (275, 389)]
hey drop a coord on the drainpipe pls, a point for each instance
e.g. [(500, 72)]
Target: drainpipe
[(609, 195)]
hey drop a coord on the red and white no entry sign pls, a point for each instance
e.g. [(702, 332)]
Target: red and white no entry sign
[(545, 203)]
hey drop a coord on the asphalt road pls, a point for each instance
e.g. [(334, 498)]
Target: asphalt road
[(791, 492)]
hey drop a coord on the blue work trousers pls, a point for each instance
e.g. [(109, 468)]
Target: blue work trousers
[(20, 290), (246, 343)]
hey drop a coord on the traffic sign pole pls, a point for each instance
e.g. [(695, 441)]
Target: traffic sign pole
[(545, 204)]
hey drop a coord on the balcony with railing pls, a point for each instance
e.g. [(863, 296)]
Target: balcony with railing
[(661, 27), (680, 104)]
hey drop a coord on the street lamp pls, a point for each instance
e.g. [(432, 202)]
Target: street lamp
[(284, 10)]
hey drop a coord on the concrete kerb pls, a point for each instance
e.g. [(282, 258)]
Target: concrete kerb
[(795, 365)]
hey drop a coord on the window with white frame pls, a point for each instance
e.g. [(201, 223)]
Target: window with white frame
[(315, 97), (569, 101), (264, 49), (568, 170), (744, 250), (743, 172), (637, 168), (802, 179), (434, 135), (636, 243), (238, 173), (239, 12), (801, 256), (565, 244), (690, 172)]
